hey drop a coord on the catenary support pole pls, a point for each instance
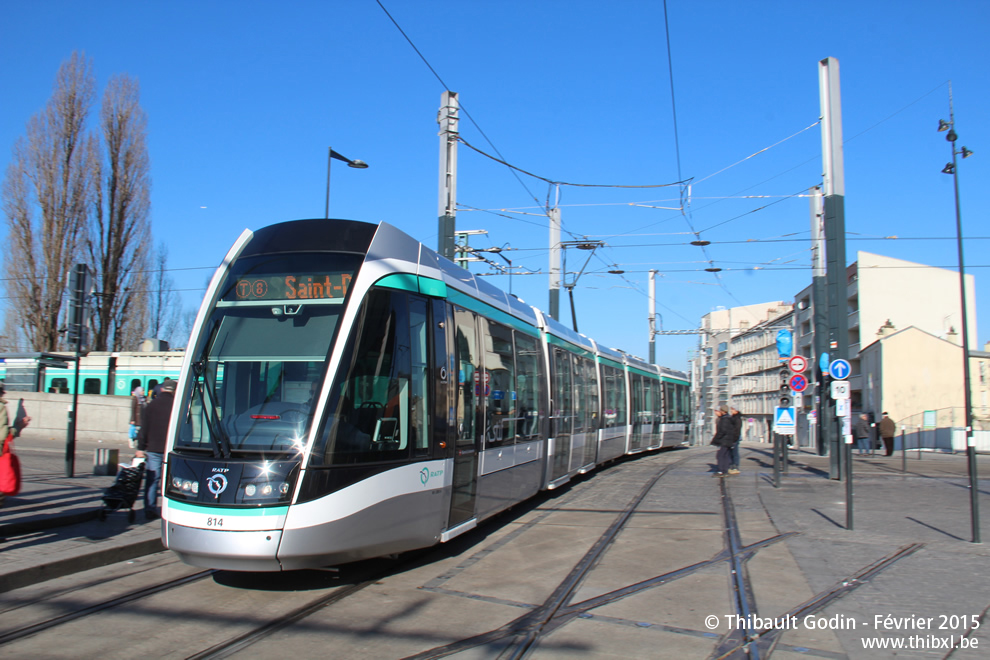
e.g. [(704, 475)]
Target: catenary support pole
[(448, 120), (835, 227)]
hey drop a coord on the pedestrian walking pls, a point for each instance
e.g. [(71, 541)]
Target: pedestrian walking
[(887, 431), (138, 403), (151, 445), (737, 424), (157, 389), (723, 440), (8, 432), (861, 432)]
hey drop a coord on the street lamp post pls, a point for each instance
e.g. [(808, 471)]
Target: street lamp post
[(357, 164), (951, 168)]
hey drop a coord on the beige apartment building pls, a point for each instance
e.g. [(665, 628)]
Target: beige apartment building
[(736, 355)]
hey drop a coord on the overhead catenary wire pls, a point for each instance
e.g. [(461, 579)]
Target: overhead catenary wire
[(447, 87), (565, 183)]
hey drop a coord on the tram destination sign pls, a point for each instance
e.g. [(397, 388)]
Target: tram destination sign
[(301, 286)]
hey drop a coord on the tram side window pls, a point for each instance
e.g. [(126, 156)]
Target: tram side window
[(529, 377), (91, 386), (637, 400), (419, 337), (658, 388), (499, 377), (646, 412), (672, 403), (563, 408), (60, 385), (681, 394), (580, 392), (466, 363), (378, 411), (591, 378), (615, 397)]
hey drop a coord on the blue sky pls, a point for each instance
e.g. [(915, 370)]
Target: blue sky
[(244, 98)]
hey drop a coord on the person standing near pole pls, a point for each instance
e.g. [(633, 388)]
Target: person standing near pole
[(151, 445), (861, 431), (737, 424), (887, 431), (723, 440)]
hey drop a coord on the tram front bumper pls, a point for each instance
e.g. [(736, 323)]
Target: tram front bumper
[(225, 550)]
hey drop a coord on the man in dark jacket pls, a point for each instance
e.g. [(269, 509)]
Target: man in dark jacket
[(861, 432), (151, 445), (887, 431), (724, 429), (737, 424)]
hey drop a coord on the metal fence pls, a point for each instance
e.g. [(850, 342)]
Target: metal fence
[(941, 430)]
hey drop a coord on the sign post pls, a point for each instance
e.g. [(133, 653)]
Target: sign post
[(80, 290)]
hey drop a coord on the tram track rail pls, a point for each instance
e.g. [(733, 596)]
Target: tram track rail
[(137, 594), (231, 646), (752, 644), (234, 645), (742, 588), (526, 630), (365, 576), (748, 643), (525, 635)]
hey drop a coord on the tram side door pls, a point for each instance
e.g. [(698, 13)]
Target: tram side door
[(465, 361)]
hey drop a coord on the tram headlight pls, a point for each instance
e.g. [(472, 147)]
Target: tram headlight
[(267, 489), (184, 486)]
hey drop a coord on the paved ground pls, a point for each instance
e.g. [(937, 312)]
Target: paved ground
[(52, 527), (936, 591)]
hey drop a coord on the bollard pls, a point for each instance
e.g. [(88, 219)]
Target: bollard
[(903, 452), (105, 461)]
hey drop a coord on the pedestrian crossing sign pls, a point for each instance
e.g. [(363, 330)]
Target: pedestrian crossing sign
[(783, 420)]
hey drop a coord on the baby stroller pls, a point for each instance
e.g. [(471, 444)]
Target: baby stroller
[(123, 492)]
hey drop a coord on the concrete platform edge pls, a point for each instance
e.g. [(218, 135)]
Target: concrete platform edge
[(40, 523), (62, 567)]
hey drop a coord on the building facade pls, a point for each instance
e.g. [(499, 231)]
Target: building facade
[(885, 297), (731, 358)]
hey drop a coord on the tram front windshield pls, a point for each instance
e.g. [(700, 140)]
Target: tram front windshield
[(262, 354)]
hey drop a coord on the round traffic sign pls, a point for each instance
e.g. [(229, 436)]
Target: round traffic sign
[(798, 383), (839, 369), (798, 364)]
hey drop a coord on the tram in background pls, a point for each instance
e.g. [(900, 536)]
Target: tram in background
[(116, 373), (348, 393)]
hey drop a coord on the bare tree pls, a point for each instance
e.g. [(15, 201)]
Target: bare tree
[(164, 305), (120, 231), (186, 326), (46, 198)]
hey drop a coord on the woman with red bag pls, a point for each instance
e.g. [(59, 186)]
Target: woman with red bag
[(10, 477)]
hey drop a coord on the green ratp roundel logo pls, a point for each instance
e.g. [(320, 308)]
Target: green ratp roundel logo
[(426, 474)]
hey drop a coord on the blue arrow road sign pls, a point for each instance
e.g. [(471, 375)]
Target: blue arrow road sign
[(839, 369)]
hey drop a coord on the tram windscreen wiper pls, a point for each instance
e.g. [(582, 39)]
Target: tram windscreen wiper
[(219, 439)]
